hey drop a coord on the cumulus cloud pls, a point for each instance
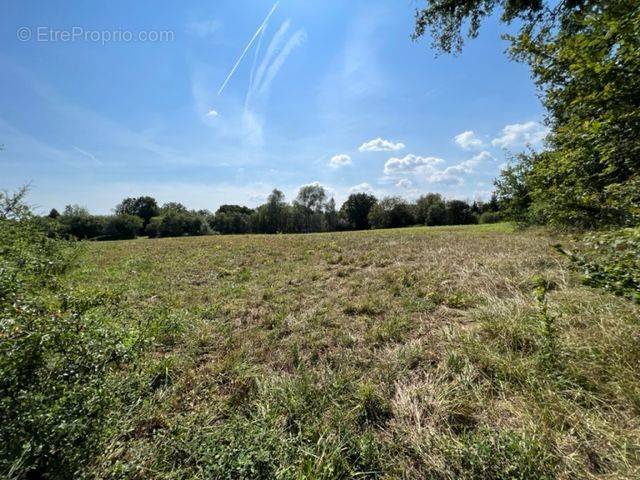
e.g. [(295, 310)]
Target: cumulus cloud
[(361, 188), (520, 135), (212, 113), (381, 145), (410, 164), (480, 157), (468, 140), (338, 161), (427, 169), (404, 183)]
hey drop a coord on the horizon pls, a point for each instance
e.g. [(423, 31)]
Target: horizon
[(219, 104)]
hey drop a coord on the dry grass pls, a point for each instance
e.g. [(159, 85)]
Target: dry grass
[(414, 353)]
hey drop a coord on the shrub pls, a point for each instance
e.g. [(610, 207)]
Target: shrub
[(122, 227), (610, 260), (57, 394), (78, 223), (176, 224), (490, 217)]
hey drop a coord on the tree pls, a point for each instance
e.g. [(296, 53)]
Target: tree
[(235, 209), (424, 204), (271, 217), (174, 207), (312, 197), (493, 205), (585, 59), (391, 212), (122, 227), (459, 213), (356, 210), (330, 216), (232, 219), (436, 214), (512, 189), (77, 222), (143, 207), (53, 213)]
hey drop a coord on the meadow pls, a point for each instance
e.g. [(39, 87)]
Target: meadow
[(427, 352)]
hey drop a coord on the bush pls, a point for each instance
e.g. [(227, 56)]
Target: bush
[(490, 217), (122, 227), (611, 260), (57, 394), (176, 224), (78, 223), (231, 222)]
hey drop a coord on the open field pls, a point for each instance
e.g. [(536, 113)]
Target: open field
[(458, 352)]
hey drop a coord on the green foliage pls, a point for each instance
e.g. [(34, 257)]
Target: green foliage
[(175, 223), (585, 59), (356, 208), (444, 19), (503, 456), (391, 212), (431, 210), (588, 71), (490, 217), (57, 391), (122, 227), (611, 260), (459, 213), (76, 222), (513, 190), (144, 207)]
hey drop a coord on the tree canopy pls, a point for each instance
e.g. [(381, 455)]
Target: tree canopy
[(584, 56)]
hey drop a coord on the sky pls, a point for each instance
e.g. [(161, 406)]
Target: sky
[(220, 101)]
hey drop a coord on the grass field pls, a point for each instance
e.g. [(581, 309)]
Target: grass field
[(459, 352)]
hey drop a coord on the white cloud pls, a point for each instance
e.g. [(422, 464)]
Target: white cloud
[(361, 188), (262, 77), (468, 140), (294, 41), (381, 145), (426, 169), (409, 164), (482, 156), (404, 183), (338, 161), (520, 135), (212, 113)]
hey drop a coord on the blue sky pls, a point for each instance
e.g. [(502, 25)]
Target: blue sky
[(333, 92)]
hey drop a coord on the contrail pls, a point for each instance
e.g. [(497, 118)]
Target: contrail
[(255, 35)]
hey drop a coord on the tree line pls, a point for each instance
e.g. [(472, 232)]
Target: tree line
[(311, 211)]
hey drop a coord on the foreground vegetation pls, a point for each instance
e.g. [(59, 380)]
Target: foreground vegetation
[(430, 352)]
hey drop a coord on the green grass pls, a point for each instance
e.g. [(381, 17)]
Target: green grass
[(448, 352)]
